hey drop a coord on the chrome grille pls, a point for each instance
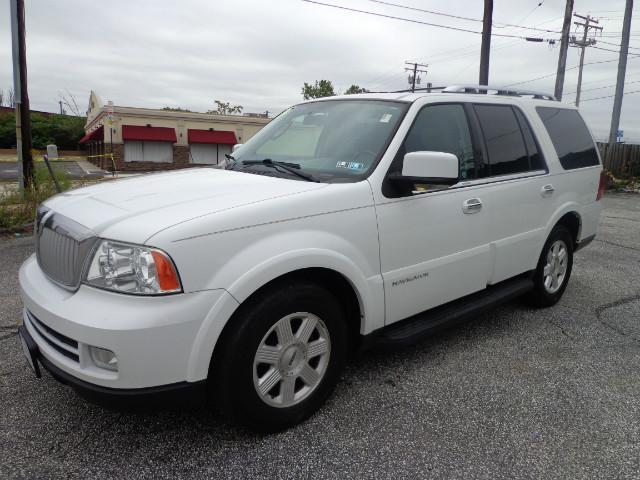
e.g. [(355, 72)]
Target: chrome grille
[(62, 247), (58, 256)]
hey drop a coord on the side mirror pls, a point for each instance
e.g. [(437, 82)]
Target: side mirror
[(236, 147), (435, 168)]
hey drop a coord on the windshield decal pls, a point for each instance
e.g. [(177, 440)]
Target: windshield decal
[(350, 165)]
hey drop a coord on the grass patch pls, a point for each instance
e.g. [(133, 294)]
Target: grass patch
[(18, 211), (12, 158)]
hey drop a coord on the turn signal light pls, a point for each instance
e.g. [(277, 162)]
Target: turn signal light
[(166, 273)]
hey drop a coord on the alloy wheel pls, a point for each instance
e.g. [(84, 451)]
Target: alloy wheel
[(291, 359)]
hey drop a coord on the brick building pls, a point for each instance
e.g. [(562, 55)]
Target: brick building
[(144, 139)]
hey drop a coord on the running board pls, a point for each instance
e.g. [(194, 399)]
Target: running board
[(417, 327)]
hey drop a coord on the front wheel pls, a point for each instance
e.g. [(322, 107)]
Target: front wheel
[(281, 356), (554, 268)]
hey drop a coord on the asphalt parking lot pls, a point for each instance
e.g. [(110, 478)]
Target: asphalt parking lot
[(517, 393)]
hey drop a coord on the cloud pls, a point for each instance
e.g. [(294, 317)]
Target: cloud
[(258, 53)]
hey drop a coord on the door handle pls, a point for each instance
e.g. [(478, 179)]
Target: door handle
[(547, 189), (472, 205)]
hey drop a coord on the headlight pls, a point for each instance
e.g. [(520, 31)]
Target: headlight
[(128, 268)]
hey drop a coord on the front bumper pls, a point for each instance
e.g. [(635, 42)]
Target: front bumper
[(152, 337), (175, 393)]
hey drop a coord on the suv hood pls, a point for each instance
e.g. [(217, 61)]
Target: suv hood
[(150, 203)]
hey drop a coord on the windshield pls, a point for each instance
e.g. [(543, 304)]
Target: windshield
[(337, 140)]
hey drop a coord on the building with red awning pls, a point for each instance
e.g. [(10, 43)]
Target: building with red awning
[(144, 139)]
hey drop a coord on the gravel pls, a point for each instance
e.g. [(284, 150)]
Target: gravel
[(517, 393)]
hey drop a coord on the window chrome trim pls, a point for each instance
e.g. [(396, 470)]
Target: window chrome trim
[(499, 178), (478, 182)]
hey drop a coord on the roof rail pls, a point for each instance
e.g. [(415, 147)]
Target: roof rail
[(498, 91)]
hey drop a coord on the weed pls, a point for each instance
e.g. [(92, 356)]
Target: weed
[(18, 211)]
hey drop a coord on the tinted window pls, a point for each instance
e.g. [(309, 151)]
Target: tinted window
[(442, 128), (570, 137), (505, 142), (535, 158)]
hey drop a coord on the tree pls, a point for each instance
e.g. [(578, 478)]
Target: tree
[(225, 108), (176, 109), (355, 89), (62, 130), (322, 88), (69, 101)]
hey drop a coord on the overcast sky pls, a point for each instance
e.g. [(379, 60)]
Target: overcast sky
[(258, 53)]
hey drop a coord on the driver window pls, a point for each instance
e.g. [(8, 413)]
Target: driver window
[(443, 128)]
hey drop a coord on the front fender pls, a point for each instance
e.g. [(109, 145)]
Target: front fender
[(249, 268)]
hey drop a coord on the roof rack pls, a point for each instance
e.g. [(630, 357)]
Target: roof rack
[(485, 89), (498, 91)]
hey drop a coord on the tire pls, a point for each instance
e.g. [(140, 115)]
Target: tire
[(278, 389), (553, 270)]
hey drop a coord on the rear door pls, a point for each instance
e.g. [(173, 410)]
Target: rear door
[(515, 188)]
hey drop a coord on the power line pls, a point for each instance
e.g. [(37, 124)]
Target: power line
[(610, 96), (433, 12), (606, 86), (617, 45), (605, 49), (570, 68), (410, 20)]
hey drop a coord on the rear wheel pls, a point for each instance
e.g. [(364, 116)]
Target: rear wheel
[(281, 357), (554, 268)]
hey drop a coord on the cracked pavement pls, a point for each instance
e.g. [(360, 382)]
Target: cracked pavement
[(516, 393)]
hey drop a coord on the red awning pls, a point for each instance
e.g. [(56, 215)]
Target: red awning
[(150, 134), (212, 136), (96, 135)]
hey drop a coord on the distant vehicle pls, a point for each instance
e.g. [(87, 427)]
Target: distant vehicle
[(373, 218)]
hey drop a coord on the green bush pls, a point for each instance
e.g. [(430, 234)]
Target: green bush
[(65, 131)]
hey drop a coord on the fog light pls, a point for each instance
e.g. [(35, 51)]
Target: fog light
[(104, 358)]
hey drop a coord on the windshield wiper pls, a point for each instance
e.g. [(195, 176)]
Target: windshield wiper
[(232, 158), (292, 168)]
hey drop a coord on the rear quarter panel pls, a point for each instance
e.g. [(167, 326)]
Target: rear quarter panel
[(575, 189)]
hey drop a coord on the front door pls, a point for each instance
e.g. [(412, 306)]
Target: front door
[(435, 245)]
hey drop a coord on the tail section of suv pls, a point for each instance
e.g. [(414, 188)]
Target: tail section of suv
[(377, 217)]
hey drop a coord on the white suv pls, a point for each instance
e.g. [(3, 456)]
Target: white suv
[(374, 218)]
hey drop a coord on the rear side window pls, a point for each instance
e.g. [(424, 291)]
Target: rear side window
[(504, 140), (535, 158), (570, 137)]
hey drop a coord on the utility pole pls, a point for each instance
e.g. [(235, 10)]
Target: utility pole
[(413, 78), (582, 44), (61, 110), (564, 46), (622, 69), (23, 118), (485, 49)]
